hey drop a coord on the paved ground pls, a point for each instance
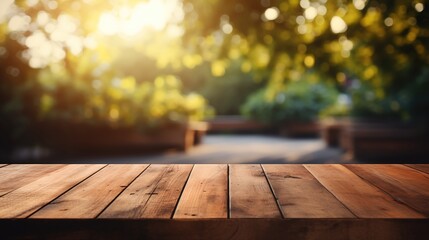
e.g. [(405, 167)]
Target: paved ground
[(230, 149)]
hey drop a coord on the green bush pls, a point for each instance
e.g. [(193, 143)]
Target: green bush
[(302, 100), (406, 103), (226, 93)]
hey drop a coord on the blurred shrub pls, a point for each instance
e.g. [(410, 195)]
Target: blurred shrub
[(410, 102), (124, 102), (341, 107), (227, 93), (300, 100)]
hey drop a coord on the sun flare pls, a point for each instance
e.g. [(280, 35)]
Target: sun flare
[(153, 14)]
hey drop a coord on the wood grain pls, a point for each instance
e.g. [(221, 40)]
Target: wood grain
[(362, 198), (3, 165), (250, 194), (421, 167), (29, 198), (205, 194), (405, 185), (90, 197), (301, 196), (17, 175), (154, 194)]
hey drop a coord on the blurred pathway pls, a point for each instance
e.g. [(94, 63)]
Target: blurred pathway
[(234, 149)]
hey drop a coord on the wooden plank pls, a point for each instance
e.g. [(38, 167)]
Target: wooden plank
[(272, 229), (3, 165), (421, 167), (154, 194), (250, 194), (362, 198), (404, 184), (90, 197), (17, 175), (25, 200), (300, 195), (205, 194)]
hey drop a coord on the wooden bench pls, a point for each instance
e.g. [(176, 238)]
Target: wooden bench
[(236, 124), (89, 138), (247, 201), (390, 141), (199, 129)]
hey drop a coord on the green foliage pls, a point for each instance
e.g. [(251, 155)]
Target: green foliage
[(120, 102), (228, 92), (407, 103), (384, 44), (56, 62), (301, 100), (55, 67), (367, 103), (417, 92), (338, 109)]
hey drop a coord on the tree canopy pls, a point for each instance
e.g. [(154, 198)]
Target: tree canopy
[(96, 60)]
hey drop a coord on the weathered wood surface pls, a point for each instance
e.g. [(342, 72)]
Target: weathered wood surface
[(406, 186), (216, 201), (301, 195), (362, 198), (154, 194), (206, 193), (15, 176), (250, 193), (88, 199), (27, 199), (421, 167)]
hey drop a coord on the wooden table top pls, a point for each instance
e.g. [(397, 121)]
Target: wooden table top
[(213, 191)]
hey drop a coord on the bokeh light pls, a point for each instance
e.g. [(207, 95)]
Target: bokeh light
[(271, 13)]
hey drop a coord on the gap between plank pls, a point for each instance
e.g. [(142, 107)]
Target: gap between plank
[(110, 203), (272, 191), (385, 192), (331, 192), (4, 194), (90, 175), (228, 195), (181, 192), (3, 165), (416, 169)]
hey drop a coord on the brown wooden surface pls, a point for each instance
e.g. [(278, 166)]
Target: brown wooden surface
[(235, 124), (301, 195), (214, 191), (154, 194), (216, 229), (27, 199), (362, 198), (206, 193), (15, 176), (421, 167), (214, 201), (410, 187), (2, 165), (88, 199), (250, 194)]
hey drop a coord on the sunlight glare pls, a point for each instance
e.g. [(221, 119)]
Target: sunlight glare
[(419, 7), (338, 25), (19, 22), (153, 14), (271, 13), (359, 4), (108, 24), (310, 13)]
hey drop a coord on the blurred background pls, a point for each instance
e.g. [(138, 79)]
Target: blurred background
[(270, 81)]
